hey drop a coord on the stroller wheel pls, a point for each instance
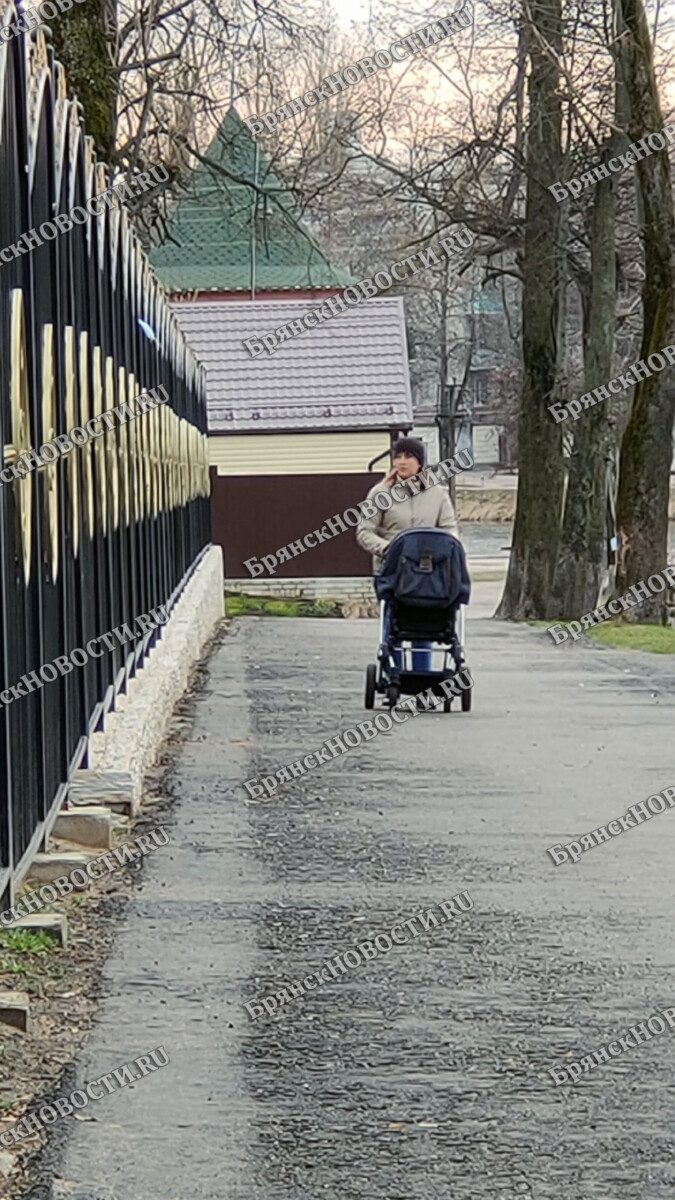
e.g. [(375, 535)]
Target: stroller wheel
[(371, 680), (447, 704), (393, 695), (466, 701)]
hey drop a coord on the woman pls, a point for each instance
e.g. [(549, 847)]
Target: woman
[(425, 507)]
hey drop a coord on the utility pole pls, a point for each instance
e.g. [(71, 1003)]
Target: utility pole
[(443, 418), (449, 393)]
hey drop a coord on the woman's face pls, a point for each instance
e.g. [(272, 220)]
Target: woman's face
[(406, 465)]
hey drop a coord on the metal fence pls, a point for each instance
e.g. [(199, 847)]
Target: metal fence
[(113, 529)]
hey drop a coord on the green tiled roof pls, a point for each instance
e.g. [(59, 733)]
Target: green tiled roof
[(210, 236)]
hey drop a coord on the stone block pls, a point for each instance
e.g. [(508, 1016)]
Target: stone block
[(55, 924), (15, 1010), (114, 789), (88, 826), (45, 868)]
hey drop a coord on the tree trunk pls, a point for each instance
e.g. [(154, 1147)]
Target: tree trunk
[(647, 447), (537, 525), (582, 554), (84, 42)]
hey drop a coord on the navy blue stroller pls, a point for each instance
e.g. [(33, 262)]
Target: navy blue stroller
[(422, 586)]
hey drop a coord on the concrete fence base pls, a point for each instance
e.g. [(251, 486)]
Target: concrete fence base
[(130, 743)]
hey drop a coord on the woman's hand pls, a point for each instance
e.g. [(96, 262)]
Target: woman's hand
[(391, 478)]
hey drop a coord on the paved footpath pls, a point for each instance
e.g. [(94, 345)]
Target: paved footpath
[(422, 1074)]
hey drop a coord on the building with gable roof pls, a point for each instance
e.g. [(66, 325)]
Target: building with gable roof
[(235, 233), (292, 434)]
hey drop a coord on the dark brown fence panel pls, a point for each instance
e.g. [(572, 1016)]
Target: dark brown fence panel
[(253, 516)]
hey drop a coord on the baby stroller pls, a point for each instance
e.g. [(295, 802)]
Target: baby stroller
[(422, 586)]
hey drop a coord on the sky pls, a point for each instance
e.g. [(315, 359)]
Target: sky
[(351, 10)]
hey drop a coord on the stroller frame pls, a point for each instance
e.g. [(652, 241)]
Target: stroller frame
[(423, 587), (389, 679)]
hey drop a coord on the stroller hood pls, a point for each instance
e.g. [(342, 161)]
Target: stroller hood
[(424, 568)]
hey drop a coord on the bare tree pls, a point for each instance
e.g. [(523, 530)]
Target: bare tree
[(647, 447), (537, 525), (84, 39), (156, 77)]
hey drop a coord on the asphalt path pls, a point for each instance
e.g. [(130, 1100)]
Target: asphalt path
[(420, 1075)]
